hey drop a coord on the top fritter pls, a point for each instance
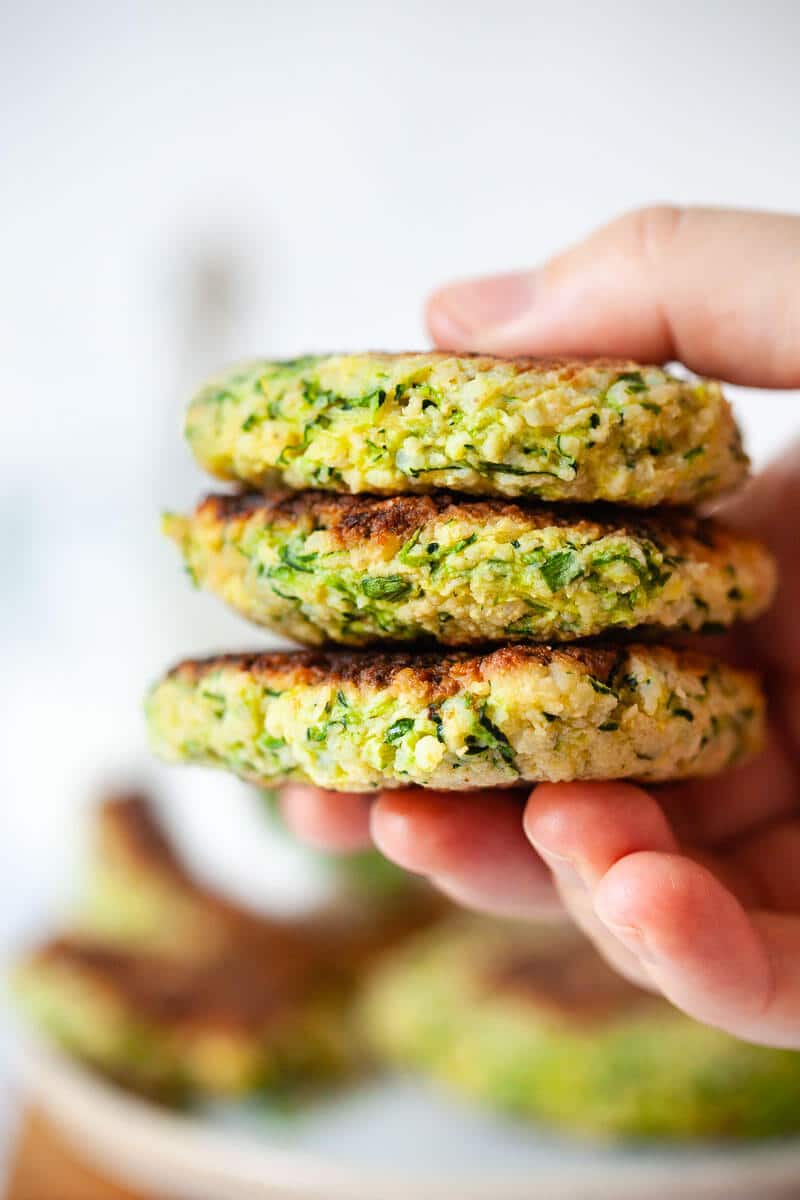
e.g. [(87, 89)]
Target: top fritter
[(393, 423)]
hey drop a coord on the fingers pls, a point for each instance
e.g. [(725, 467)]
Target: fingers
[(717, 289), (768, 860), (668, 921), (580, 831), (696, 940), (334, 821), (720, 964), (577, 900), (768, 508), (705, 812), (470, 844)]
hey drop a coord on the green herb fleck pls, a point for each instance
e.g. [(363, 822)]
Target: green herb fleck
[(494, 468), (601, 688), (568, 459), (398, 729), (268, 743), (218, 700), (435, 717), (297, 561), (677, 710), (461, 544), (385, 587), (560, 568), (488, 736), (633, 381), (407, 547)]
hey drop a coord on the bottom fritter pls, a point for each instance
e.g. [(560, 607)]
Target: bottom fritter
[(530, 1020), (361, 721)]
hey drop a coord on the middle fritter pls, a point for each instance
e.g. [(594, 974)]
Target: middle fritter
[(356, 569)]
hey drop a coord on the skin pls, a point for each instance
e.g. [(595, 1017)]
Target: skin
[(692, 890)]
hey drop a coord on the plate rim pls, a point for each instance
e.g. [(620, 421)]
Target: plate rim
[(143, 1145)]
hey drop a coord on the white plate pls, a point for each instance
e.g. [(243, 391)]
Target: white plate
[(394, 1140)]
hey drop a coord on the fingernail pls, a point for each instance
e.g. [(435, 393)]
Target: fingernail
[(631, 938), (564, 868), (466, 310)]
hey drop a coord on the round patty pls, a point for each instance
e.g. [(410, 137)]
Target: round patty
[(223, 1027), (532, 1021), (393, 423), (360, 721), (356, 569)]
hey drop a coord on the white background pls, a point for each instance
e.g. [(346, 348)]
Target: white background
[(182, 184)]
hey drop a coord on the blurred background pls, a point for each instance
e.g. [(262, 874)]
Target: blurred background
[(184, 184)]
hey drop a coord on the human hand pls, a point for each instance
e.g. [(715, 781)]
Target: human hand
[(690, 889)]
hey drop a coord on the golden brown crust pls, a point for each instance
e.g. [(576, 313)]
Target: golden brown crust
[(331, 940), (128, 818), (442, 673), (235, 993), (568, 980), (133, 837), (354, 519)]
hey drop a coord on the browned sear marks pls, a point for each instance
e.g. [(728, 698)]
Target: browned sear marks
[(570, 981)]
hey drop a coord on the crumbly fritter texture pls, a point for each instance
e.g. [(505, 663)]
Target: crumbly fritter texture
[(357, 569), (531, 1021), (393, 423), (185, 1029), (357, 721)]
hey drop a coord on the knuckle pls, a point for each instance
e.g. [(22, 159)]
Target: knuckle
[(654, 230)]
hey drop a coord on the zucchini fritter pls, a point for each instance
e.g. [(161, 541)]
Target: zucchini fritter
[(141, 896), (356, 569), (532, 1021), (169, 987), (393, 423), (184, 1029), (139, 893), (360, 721)]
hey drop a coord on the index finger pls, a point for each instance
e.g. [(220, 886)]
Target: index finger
[(717, 289)]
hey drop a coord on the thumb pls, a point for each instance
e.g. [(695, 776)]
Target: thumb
[(717, 289)]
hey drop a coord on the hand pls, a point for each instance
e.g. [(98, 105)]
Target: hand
[(690, 889)]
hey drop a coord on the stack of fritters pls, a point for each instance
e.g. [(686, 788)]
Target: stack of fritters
[(170, 988), (466, 573)]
